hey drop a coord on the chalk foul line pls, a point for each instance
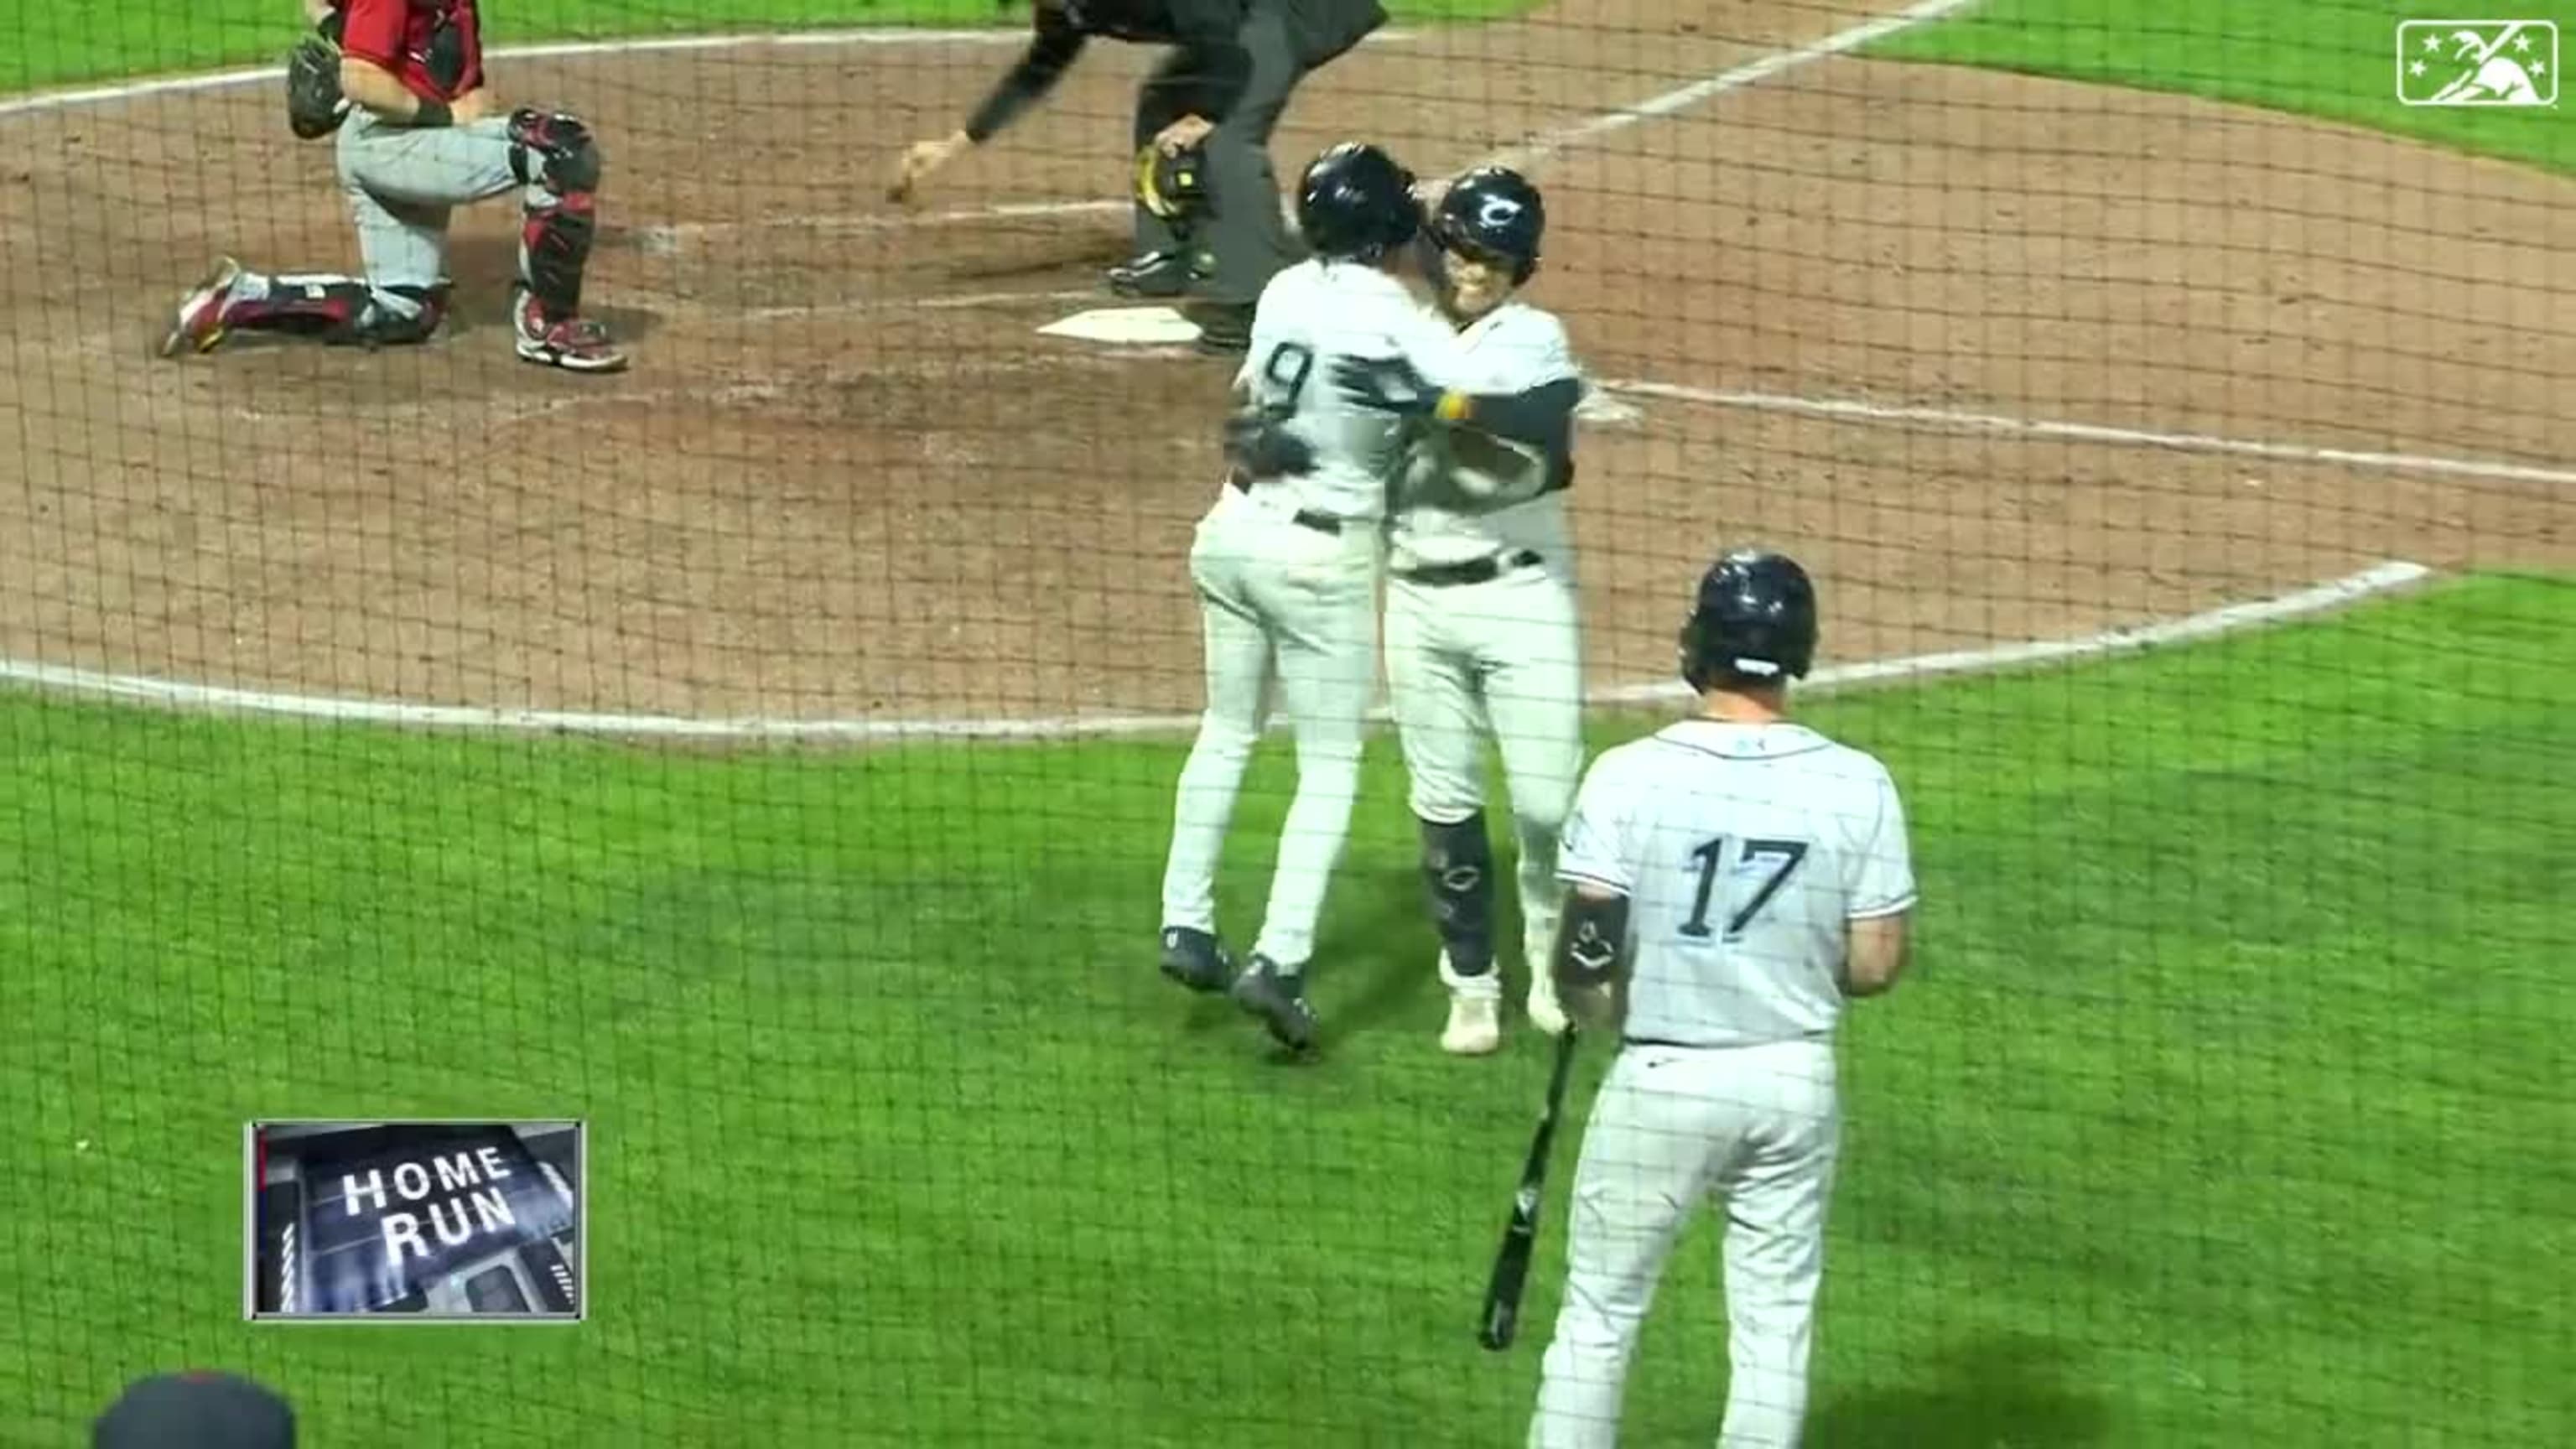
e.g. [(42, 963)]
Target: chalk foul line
[(1954, 420), (180, 694), (1681, 98), (58, 100)]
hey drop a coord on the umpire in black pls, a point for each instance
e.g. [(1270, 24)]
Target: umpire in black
[(1219, 91)]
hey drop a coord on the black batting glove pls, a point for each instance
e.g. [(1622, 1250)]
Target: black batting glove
[(1258, 447), (1385, 384)]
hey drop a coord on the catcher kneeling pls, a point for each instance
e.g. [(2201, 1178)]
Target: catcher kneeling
[(401, 84)]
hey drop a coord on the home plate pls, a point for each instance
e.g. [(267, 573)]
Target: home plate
[(1138, 325)]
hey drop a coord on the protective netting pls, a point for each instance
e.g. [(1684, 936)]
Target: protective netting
[(767, 754)]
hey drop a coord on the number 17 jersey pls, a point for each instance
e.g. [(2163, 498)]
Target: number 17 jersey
[(1312, 315), (1743, 850)]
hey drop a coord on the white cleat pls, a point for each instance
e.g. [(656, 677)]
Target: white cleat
[(1545, 1011), (198, 324), (1475, 1026)]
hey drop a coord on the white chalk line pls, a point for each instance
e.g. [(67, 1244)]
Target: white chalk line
[(794, 39), (57, 100), (934, 302), (179, 694), (1546, 144), (1542, 146), (951, 302), (667, 235), (1953, 420), (1833, 409), (1680, 98)]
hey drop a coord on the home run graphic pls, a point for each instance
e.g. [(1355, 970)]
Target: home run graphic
[(427, 1219)]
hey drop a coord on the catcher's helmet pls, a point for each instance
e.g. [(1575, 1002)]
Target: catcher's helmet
[(1754, 622), (1356, 204), (1493, 214)]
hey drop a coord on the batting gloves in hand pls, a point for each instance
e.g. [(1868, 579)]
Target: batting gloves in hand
[(1386, 384)]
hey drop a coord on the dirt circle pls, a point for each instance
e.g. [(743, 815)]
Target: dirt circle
[(848, 480)]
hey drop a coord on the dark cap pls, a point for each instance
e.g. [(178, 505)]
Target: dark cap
[(195, 1410)]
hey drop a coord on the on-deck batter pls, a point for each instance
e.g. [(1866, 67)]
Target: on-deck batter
[(1286, 566), (1483, 635), (419, 137), (1735, 878)]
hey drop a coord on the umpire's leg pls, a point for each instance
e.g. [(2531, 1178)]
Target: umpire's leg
[(1246, 238)]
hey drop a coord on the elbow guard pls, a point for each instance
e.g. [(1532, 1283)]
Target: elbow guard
[(1591, 947)]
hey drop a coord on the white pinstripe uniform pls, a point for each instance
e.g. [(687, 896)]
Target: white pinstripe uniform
[(1287, 574), (1483, 633), (1744, 851)]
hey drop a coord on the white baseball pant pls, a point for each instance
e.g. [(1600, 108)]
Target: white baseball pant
[(1502, 657), (1280, 602), (1756, 1130)]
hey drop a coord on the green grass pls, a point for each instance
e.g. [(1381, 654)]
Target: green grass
[(60, 42), (2226, 1107), (2336, 60)]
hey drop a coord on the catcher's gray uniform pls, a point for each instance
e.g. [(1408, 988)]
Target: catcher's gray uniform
[(404, 174)]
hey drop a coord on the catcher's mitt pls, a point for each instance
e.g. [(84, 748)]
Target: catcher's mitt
[(314, 106), (1172, 186)]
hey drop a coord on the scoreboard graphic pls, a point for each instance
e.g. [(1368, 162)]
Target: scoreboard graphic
[(416, 1221)]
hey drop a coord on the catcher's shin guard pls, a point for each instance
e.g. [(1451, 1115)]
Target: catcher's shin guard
[(1458, 871), (343, 311), (554, 250), (557, 154)]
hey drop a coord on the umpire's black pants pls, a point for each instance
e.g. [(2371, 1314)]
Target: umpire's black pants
[(1243, 240)]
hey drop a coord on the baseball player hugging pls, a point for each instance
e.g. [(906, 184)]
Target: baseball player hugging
[(1286, 564), (401, 84), (1483, 637)]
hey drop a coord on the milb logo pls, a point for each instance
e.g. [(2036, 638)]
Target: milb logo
[(2477, 63)]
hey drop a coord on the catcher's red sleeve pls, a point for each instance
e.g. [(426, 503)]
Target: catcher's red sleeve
[(372, 30)]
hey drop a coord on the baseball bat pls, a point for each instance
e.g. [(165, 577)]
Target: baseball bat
[(1502, 1313)]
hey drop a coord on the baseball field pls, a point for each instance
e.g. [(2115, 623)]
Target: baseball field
[(767, 755)]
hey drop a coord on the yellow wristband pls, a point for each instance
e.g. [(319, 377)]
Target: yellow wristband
[(1452, 407)]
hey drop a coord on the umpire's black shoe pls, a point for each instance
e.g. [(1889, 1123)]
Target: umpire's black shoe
[(1279, 1000), (1154, 274), (1196, 959), (1225, 328)]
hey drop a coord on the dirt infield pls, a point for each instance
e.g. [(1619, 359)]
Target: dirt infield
[(846, 479)]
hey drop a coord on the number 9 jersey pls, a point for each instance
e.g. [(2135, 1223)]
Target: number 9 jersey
[(1744, 851), (1312, 315)]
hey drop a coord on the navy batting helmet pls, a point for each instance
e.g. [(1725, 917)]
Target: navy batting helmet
[(1754, 622), (1356, 204), (1493, 214)]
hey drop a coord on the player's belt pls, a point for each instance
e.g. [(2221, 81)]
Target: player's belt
[(1705, 1046), (1473, 571), (1657, 1041), (1303, 517)]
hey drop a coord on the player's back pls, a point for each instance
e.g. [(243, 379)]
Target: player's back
[(1311, 315), (1466, 494), (1751, 848)]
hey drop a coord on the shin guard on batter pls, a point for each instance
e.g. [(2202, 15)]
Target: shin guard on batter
[(1458, 870)]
